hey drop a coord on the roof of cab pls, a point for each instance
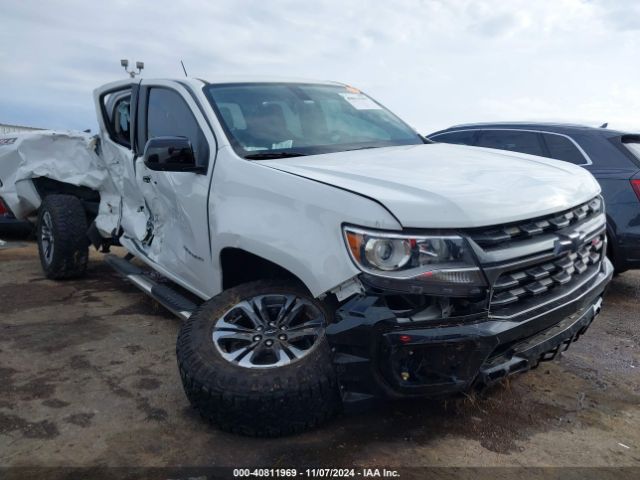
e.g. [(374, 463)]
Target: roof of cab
[(222, 79)]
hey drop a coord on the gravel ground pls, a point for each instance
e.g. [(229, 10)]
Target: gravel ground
[(88, 377)]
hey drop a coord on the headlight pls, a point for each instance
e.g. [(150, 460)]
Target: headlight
[(421, 260), (387, 253)]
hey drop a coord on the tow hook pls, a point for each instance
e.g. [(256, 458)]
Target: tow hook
[(597, 306)]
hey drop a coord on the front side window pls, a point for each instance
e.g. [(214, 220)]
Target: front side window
[(561, 148), (266, 120), (168, 115), (512, 140), (462, 137)]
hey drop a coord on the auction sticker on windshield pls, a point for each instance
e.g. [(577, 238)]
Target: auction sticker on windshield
[(360, 101)]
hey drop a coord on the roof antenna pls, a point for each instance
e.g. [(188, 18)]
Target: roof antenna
[(604, 125), (184, 69)]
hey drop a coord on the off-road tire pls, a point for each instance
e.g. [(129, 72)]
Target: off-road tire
[(265, 402), (68, 224)]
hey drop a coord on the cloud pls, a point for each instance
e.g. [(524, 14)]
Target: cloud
[(622, 15), (435, 63), (497, 26)]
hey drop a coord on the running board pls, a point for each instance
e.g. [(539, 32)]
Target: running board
[(173, 301)]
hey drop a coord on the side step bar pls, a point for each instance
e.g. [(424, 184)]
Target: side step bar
[(173, 301)]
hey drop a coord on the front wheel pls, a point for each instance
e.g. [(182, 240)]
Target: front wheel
[(254, 360)]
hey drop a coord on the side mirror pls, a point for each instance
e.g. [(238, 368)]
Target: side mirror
[(171, 154)]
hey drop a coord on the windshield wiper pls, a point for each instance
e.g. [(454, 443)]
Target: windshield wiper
[(268, 155), (362, 148)]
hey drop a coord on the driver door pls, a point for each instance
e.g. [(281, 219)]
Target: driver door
[(177, 237)]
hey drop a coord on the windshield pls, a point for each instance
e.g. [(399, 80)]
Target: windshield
[(270, 120)]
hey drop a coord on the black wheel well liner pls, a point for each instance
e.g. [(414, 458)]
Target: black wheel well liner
[(90, 198), (239, 266), (612, 252)]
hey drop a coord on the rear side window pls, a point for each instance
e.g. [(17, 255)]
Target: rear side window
[(122, 121), (561, 148), (462, 137), (168, 115), (515, 141), (117, 107)]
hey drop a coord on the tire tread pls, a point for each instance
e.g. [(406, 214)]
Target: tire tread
[(263, 402)]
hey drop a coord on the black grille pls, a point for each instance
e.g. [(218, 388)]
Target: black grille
[(545, 278), (493, 236)]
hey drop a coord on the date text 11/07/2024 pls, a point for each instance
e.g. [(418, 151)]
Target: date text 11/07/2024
[(316, 473)]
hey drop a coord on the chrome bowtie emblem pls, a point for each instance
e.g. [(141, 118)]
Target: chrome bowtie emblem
[(568, 242)]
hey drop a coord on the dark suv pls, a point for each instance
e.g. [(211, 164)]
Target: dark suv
[(612, 157)]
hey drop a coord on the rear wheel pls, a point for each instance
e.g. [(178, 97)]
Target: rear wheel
[(254, 360), (62, 239)]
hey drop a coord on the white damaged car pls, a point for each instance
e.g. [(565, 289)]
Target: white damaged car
[(321, 253)]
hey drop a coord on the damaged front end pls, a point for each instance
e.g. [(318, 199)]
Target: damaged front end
[(543, 285)]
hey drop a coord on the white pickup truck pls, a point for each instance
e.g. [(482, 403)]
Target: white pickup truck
[(321, 253)]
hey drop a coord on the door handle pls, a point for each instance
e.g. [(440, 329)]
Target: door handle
[(146, 179)]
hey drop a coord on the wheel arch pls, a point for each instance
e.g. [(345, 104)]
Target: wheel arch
[(48, 186), (240, 266), (613, 251), (89, 198)]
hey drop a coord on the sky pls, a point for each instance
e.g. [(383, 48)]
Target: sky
[(435, 63)]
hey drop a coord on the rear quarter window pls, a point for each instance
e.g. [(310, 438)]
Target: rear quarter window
[(562, 148)]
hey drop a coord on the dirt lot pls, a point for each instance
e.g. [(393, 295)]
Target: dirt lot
[(88, 377)]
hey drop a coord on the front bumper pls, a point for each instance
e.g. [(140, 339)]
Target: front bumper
[(376, 356)]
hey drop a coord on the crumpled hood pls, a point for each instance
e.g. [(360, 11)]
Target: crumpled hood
[(450, 186)]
